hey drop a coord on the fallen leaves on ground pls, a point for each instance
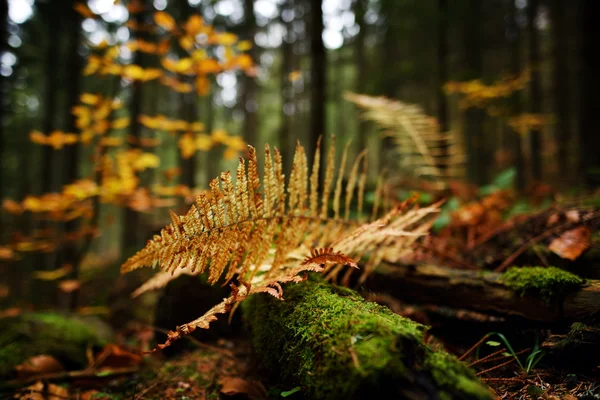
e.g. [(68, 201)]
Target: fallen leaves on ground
[(572, 243)]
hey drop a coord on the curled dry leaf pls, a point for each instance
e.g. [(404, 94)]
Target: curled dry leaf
[(38, 365), (572, 243)]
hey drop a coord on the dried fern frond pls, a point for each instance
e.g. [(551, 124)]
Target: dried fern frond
[(425, 151), (253, 228)]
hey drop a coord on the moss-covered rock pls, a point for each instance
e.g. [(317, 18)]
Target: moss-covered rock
[(547, 282), (64, 337), (336, 345)]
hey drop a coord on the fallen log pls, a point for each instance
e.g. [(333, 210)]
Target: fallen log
[(486, 292), (335, 345)]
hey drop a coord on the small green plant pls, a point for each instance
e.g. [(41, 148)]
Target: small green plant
[(532, 359)]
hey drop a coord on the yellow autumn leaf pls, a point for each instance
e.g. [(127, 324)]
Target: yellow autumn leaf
[(186, 42), (244, 45), (111, 141), (37, 137), (230, 154), (202, 85), (183, 65), (208, 66), (145, 161), (224, 39), (164, 20), (54, 274), (133, 72), (294, 76), (203, 142), (89, 99), (196, 126), (187, 145), (120, 123), (219, 135), (32, 203), (193, 25)]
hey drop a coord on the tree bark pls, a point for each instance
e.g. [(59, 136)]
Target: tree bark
[(286, 139), (483, 292), (561, 91), (442, 102), (474, 117), (514, 37), (362, 78), (318, 80), (535, 135), (589, 83), (335, 345), (249, 100), (3, 88)]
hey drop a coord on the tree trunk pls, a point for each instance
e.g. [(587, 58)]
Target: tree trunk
[(561, 92), (589, 82), (474, 117), (514, 37), (473, 290), (335, 345), (286, 139), (3, 89), (362, 78), (442, 60), (131, 218), (71, 172), (318, 80), (249, 100), (535, 135)]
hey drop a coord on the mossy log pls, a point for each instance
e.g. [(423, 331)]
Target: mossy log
[(493, 293), (63, 337), (333, 344)]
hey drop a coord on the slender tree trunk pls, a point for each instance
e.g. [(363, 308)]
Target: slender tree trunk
[(535, 135), (3, 88), (249, 98), (50, 99), (474, 117), (286, 139), (318, 79), (74, 69), (589, 82), (561, 92), (514, 37), (442, 60), (131, 218), (360, 9)]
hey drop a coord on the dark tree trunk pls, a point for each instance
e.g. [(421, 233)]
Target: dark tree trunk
[(442, 60), (3, 87), (561, 92), (286, 139), (131, 218), (514, 37), (474, 117), (318, 78), (74, 68), (249, 98), (535, 135), (360, 9), (589, 88), (50, 98)]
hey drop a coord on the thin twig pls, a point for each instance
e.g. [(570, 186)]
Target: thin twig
[(485, 371), (476, 345), (488, 357)]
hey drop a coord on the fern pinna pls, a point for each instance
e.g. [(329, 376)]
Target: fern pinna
[(262, 231)]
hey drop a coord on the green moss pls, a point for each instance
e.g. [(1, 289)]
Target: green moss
[(336, 345), (64, 337), (453, 376), (574, 338), (547, 282)]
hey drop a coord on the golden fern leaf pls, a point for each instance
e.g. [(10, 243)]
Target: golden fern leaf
[(230, 230), (426, 151)]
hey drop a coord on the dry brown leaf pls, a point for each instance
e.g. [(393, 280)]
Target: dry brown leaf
[(38, 365), (38, 391), (232, 386), (113, 356), (326, 257), (572, 243), (69, 285)]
